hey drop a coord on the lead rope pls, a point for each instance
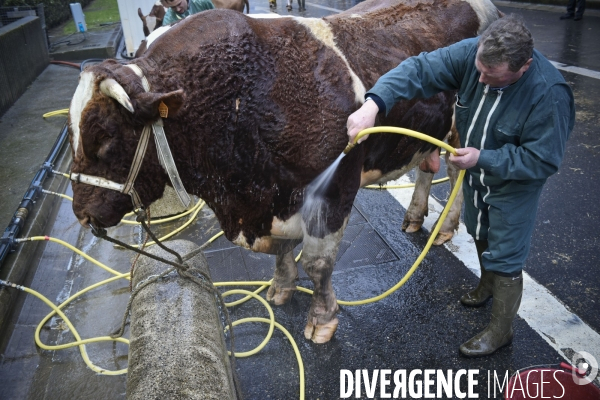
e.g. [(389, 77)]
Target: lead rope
[(202, 280)]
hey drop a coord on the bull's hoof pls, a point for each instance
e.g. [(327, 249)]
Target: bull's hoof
[(320, 333), (442, 237), (289, 8), (272, 5), (279, 296), (411, 226)]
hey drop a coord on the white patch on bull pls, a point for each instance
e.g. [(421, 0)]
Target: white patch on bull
[(374, 177), (156, 34), (151, 23), (267, 16), (322, 31), (288, 229), (260, 245), (241, 241), (83, 94), (486, 13)]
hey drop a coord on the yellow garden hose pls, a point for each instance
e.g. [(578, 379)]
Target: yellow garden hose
[(72, 248), (457, 186), (64, 111), (195, 208)]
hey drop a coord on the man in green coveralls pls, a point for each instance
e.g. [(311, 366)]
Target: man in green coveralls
[(514, 112), (179, 9)]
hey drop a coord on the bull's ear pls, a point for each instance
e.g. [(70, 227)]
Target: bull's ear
[(148, 104)]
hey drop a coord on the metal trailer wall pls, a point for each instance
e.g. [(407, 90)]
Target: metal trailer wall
[(24, 56)]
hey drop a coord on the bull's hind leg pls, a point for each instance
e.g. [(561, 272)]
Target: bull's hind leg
[(284, 282), (318, 259), (419, 204), (453, 218)]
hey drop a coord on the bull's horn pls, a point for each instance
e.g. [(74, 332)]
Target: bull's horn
[(113, 89)]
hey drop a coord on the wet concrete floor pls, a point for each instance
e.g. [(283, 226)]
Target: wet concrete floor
[(418, 327)]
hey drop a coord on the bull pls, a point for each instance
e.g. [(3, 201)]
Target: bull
[(257, 109)]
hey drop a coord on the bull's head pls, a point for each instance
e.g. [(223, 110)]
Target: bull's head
[(108, 112)]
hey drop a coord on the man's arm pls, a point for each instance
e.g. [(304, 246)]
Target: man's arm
[(416, 77)]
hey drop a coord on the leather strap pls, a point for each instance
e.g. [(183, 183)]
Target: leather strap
[(168, 163), (164, 151)]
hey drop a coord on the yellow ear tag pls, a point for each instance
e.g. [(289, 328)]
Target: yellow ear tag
[(163, 110)]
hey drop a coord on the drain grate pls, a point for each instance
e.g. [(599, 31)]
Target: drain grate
[(361, 245)]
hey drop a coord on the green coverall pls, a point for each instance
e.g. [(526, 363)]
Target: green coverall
[(521, 131)]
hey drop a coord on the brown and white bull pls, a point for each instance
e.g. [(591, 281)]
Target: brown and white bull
[(257, 110)]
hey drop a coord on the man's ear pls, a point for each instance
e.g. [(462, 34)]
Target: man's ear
[(148, 104), (525, 66)]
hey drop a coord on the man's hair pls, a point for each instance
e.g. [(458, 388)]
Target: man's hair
[(169, 3), (506, 40)]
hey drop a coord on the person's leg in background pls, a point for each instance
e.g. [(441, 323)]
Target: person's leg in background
[(570, 10)]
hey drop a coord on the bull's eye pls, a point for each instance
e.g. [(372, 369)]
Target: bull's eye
[(104, 149)]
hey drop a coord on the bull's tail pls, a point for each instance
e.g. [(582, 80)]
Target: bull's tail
[(486, 13)]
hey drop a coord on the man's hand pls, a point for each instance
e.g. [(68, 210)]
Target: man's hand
[(465, 158), (362, 118)]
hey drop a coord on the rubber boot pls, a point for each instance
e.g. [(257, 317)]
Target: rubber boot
[(499, 333), (483, 292)]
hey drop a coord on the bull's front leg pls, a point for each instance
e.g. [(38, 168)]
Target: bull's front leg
[(284, 282), (318, 259)]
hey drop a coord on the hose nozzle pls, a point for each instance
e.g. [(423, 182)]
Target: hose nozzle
[(349, 147)]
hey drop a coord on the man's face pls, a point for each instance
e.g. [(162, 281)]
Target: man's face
[(180, 6), (499, 75)]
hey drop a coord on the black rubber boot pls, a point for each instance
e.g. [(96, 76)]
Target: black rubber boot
[(483, 292), (499, 333)]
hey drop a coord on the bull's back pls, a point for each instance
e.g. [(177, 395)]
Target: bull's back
[(376, 35)]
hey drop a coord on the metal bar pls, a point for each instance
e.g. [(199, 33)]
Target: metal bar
[(7, 242)]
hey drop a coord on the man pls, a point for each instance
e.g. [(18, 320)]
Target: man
[(179, 9), (514, 112)]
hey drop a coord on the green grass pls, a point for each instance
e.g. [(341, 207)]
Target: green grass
[(96, 13)]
